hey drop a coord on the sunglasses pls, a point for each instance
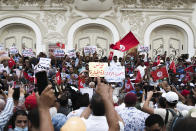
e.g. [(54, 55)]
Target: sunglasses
[(20, 121)]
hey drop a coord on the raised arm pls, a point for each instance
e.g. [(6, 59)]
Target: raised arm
[(45, 101), (111, 115)]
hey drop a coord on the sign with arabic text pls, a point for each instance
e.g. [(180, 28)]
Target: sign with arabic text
[(59, 53), (28, 53), (96, 69), (13, 50), (71, 53), (114, 73), (143, 48), (90, 50)]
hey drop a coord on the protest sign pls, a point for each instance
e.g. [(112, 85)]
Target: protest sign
[(90, 50), (1, 48), (28, 53), (44, 64), (96, 69), (4, 54), (114, 73), (59, 53), (143, 48), (1, 67), (71, 53), (13, 50)]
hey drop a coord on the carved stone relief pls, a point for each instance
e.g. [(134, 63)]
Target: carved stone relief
[(136, 21), (52, 18), (163, 4)]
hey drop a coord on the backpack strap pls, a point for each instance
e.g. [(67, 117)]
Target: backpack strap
[(173, 112), (166, 116)]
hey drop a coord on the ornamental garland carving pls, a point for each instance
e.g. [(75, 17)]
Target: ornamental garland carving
[(163, 4), (40, 3)]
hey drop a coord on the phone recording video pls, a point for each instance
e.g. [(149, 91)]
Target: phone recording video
[(42, 81)]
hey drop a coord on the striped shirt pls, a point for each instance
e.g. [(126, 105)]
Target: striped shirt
[(6, 113)]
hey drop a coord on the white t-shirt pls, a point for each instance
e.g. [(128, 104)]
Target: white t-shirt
[(98, 123), (181, 107), (142, 70), (77, 112)]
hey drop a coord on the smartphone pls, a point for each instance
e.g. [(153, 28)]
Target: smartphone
[(42, 81)]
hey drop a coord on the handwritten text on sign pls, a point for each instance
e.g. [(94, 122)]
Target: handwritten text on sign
[(96, 69), (44, 64), (71, 53), (59, 53), (89, 50), (13, 50), (28, 53), (114, 73), (143, 49)]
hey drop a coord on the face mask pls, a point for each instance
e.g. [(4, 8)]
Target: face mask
[(20, 67), (132, 58), (20, 129)]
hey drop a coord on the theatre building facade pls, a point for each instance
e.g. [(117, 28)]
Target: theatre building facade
[(162, 25)]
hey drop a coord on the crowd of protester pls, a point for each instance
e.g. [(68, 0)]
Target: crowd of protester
[(130, 105)]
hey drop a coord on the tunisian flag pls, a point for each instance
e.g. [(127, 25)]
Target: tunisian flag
[(128, 86), (62, 46), (138, 77), (189, 69), (80, 82), (129, 41), (172, 67), (11, 63), (159, 73), (187, 78), (58, 78)]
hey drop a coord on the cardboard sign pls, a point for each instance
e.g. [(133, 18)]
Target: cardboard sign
[(28, 53), (143, 49), (71, 53), (96, 69), (13, 50), (90, 50), (59, 53), (114, 73), (44, 64)]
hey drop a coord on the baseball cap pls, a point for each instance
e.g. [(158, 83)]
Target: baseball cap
[(31, 102), (130, 99), (171, 97), (74, 124)]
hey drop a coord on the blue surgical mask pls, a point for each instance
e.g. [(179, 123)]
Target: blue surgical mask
[(20, 129)]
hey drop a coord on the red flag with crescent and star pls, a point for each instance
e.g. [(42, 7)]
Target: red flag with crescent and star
[(128, 42), (159, 73)]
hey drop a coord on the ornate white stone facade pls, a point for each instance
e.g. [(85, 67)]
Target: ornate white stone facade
[(164, 25)]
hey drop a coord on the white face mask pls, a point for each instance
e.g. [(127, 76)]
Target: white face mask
[(20, 129)]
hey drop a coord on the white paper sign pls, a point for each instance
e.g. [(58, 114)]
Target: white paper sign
[(59, 53), (44, 64), (90, 50), (1, 67), (13, 50), (4, 54), (71, 53), (114, 73), (1, 48), (28, 53), (143, 49)]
